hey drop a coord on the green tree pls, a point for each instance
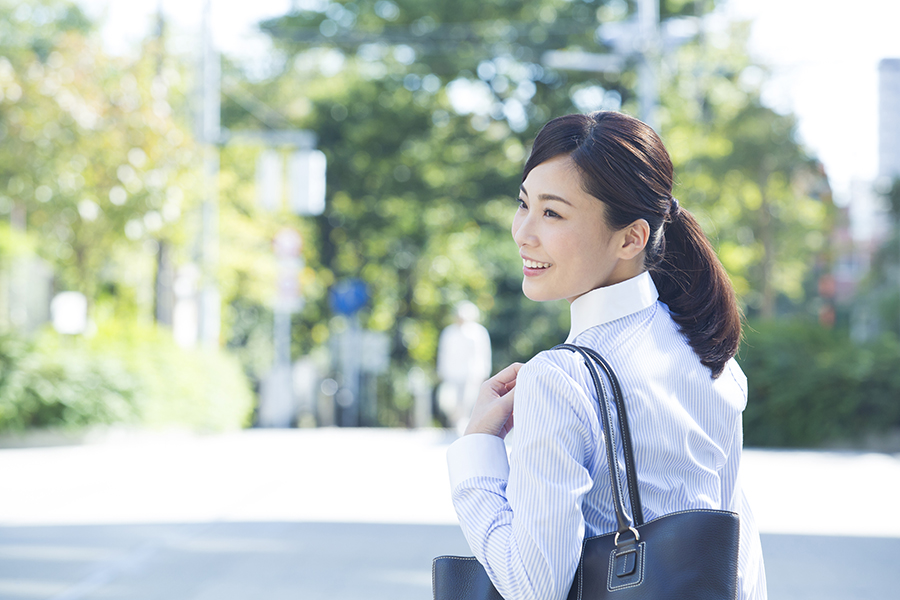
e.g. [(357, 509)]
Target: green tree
[(93, 162), (98, 178), (762, 197), (426, 110), (422, 179)]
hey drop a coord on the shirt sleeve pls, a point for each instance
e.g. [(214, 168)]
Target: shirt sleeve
[(524, 521)]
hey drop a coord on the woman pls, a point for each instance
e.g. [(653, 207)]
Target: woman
[(598, 226)]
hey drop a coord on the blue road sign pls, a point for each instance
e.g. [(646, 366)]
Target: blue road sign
[(348, 296)]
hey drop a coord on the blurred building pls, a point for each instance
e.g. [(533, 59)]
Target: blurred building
[(889, 118), (869, 217)]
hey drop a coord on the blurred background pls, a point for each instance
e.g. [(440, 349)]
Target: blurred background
[(280, 221), (217, 215)]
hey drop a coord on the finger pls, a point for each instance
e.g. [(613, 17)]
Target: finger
[(508, 374), (509, 401), (509, 424), (498, 384)]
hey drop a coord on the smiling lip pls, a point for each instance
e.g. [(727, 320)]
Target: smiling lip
[(533, 267)]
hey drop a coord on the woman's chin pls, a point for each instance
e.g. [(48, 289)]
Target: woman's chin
[(536, 294)]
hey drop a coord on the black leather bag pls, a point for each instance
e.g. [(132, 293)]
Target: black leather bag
[(688, 555)]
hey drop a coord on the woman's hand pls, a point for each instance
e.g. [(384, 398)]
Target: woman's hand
[(493, 412)]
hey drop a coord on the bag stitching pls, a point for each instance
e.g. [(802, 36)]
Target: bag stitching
[(612, 569)]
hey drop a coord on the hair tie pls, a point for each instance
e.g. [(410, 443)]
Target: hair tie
[(674, 209)]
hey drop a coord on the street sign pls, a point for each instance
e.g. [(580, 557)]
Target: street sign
[(69, 312), (287, 246), (348, 296), (269, 178), (287, 243), (375, 352), (583, 61), (306, 180)]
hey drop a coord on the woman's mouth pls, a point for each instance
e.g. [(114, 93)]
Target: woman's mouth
[(533, 267)]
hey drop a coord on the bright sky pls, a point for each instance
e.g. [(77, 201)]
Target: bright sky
[(824, 56), (233, 21)]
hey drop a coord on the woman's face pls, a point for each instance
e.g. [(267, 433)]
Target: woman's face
[(566, 247)]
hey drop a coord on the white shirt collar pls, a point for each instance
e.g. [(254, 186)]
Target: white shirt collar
[(612, 302)]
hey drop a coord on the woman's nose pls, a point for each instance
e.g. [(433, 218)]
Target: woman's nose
[(523, 231)]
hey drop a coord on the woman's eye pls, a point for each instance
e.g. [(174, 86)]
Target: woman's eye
[(550, 213), (522, 203)]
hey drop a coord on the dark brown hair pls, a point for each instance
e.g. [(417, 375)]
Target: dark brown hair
[(624, 164)]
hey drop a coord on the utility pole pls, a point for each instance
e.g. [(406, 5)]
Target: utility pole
[(208, 313), (277, 407), (307, 198), (213, 137), (648, 53), (639, 38)]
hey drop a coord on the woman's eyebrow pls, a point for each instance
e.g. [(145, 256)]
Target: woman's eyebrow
[(554, 197), (546, 196)]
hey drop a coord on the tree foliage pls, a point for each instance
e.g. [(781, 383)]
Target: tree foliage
[(425, 110), (810, 386), (98, 172), (59, 388), (93, 162), (761, 197), (426, 113)]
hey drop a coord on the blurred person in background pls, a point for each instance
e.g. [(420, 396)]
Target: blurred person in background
[(597, 225), (463, 363)]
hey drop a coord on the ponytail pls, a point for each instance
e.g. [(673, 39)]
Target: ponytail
[(625, 165), (694, 285)]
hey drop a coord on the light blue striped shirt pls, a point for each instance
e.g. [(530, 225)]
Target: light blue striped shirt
[(525, 516)]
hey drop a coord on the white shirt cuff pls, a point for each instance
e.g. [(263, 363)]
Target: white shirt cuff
[(477, 455)]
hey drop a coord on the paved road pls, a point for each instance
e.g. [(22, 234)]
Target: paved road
[(357, 514)]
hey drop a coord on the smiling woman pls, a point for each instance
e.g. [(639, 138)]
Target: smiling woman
[(597, 225), (621, 162), (565, 243)]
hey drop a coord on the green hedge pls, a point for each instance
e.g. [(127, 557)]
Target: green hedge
[(810, 386), (133, 375), (200, 388), (41, 387)]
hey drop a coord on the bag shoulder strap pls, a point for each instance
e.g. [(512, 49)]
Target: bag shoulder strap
[(592, 359)]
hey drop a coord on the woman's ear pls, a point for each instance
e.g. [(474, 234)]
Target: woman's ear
[(634, 239)]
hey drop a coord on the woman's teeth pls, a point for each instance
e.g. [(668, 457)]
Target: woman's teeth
[(533, 264)]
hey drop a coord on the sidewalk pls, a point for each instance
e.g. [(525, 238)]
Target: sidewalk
[(335, 514), (313, 475), (374, 476)]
